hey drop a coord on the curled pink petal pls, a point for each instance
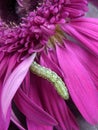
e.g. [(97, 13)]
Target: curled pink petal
[(13, 82)]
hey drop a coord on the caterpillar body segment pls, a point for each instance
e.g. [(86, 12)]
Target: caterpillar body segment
[(52, 77)]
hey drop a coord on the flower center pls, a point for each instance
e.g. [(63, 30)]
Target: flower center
[(57, 38), (40, 25)]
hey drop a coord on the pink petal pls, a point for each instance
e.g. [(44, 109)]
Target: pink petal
[(51, 60), (40, 93), (76, 8), (10, 66), (13, 82), (79, 83), (88, 36), (52, 102), (89, 61), (1, 56), (3, 66), (31, 110), (32, 126), (4, 123)]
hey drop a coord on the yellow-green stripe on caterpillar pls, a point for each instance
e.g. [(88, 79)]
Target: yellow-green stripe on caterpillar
[(52, 77)]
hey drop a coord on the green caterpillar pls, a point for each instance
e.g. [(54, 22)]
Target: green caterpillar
[(52, 77)]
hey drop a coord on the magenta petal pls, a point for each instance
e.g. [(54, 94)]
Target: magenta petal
[(52, 102), (57, 108), (50, 63), (89, 61), (79, 83), (31, 110), (88, 36), (13, 82), (3, 66), (1, 56), (76, 8), (10, 66), (4, 123), (32, 126)]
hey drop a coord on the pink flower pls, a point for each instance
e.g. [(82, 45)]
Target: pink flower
[(51, 33)]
